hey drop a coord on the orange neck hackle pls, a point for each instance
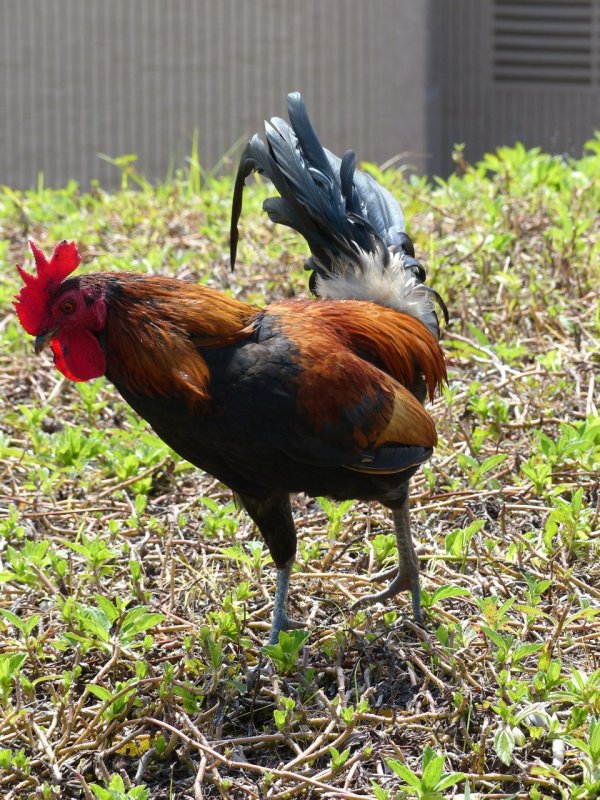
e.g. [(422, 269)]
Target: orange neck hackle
[(155, 328)]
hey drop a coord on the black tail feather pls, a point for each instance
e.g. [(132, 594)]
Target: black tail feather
[(320, 195), (342, 212)]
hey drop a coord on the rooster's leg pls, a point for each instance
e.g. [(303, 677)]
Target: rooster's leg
[(281, 621), (407, 576), (273, 516)]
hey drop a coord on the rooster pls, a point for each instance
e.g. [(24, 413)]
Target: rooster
[(323, 396)]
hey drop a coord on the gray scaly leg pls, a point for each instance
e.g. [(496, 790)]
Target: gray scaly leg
[(280, 621), (407, 576), (273, 516)]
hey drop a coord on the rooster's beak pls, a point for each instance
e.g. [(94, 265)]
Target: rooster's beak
[(42, 341)]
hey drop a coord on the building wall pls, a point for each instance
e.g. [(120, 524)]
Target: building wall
[(513, 70), (83, 77), (399, 81)]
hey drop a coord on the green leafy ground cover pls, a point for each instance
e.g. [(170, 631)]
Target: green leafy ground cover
[(135, 597)]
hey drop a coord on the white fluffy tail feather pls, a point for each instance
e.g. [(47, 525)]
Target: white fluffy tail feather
[(391, 285)]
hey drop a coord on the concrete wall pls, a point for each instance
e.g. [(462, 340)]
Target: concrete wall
[(83, 77), (392, 79), (513, 70)]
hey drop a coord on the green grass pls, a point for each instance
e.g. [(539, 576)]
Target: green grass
[(120, 677)]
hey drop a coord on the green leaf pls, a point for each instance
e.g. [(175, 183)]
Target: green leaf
[(99, 691), (490, 462), (448, 591), (338, 759), (139, 793), (496, 637), (11, 663), (594, 743), (95, 628), (31, 623), (524, 650), (504, 745), (286, 652), (554, 670), (101, 794), (546, 771), (379, 792), (404, 772), (139, 619), (116, 782), (280, 717), (215, 650), (107, 607), (449, 779), (16, 621), (433, 767)]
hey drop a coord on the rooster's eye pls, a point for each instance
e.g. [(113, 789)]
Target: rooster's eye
[(68, 306)]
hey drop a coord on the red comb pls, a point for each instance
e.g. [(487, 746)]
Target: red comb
[(32, 301)]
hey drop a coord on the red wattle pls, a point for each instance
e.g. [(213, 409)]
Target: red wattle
[(78, 356)]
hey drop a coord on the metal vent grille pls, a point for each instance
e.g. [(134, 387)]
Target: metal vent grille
[(545, 41)]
